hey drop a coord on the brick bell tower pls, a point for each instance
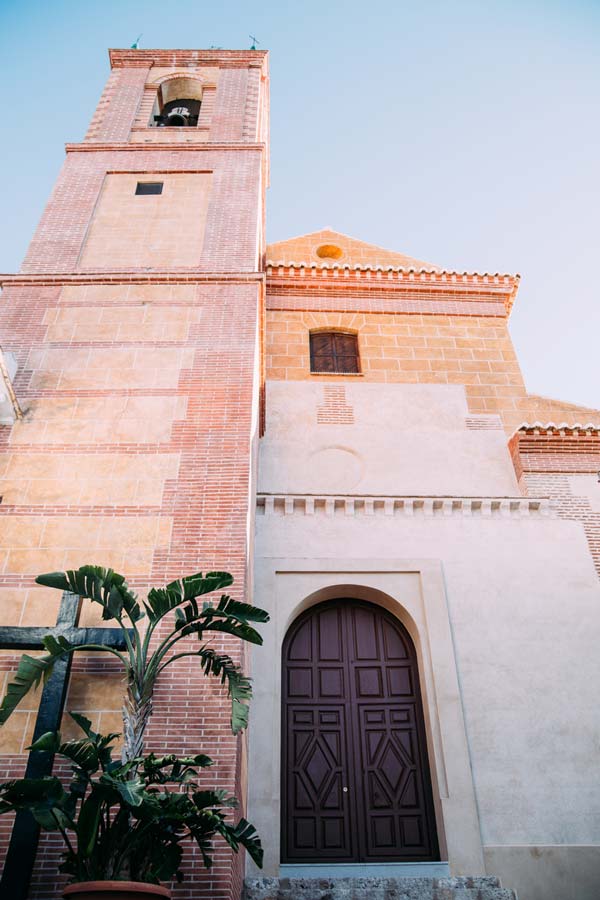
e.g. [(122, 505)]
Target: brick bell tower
[(136, 324)]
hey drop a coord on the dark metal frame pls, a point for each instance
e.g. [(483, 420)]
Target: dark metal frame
[(22, 849)]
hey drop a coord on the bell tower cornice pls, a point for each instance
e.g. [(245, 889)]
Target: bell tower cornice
[(224, 59)]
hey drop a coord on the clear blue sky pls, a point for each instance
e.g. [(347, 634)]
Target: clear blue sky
[(464, 133)]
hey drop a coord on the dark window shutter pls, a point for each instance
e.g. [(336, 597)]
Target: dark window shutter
[(346, 352), (333, 351), (321, 352)]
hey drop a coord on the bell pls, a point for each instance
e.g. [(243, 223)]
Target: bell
[(178, 116)]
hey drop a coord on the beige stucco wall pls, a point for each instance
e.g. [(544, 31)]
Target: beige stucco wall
[(520, 603), (132, 231), (377, 438)]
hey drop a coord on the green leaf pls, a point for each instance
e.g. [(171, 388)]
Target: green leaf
[(56, 580), (48, 742), (196, 585), (45, 799), (88, 753), (52, 819), (101, 742), (26, 790), (239, 717), (242, 611), (84, 723), (103, 586), (30, 671), (58, 646), (162, 600), (83, 753), (205, 844), (239, 686), (247, 836), (153, 764), (132, 791), (211, 799), (227, 626), (88, 822), (169, 863)]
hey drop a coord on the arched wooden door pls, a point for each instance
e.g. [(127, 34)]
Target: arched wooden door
[(356, 785)]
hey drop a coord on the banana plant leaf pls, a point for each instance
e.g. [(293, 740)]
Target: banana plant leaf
[(100, 585), (161, 601)]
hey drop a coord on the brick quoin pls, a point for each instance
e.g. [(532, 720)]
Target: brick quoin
[(564, 464), (157, 365)]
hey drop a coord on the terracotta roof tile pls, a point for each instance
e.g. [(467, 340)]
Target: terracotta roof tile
[(554, 428)]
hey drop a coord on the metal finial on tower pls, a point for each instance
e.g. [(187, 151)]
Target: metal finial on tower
[(254, 40), (135, 45)]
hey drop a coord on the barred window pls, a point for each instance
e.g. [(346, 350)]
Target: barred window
[(333, 351)]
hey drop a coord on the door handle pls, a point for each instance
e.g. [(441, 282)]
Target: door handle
[(345, 790)]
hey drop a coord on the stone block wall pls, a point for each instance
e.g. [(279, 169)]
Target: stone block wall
[(475, 351)]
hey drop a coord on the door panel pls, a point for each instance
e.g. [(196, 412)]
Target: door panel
[(394, 793), (355, 775), (320, 824)]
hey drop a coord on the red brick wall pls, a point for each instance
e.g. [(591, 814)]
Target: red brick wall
[(230, 243), (157, 367), (206, 504), (549, 463), (230, 106), (123, 101)]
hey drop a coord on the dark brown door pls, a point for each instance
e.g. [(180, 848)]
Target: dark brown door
[(355, 776)]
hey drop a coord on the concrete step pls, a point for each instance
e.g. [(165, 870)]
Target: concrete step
[(457, 888)]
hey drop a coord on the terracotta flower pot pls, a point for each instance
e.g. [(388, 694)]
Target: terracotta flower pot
[(114, 890)]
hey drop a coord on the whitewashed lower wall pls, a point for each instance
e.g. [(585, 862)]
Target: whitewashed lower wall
[(522, 603)]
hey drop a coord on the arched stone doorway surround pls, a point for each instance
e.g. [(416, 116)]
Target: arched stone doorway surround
[(413, 591)]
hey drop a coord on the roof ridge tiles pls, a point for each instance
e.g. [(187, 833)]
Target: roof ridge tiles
[(558, 427), (300, 264)]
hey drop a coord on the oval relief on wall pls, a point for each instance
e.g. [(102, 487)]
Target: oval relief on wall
[(335, 469)]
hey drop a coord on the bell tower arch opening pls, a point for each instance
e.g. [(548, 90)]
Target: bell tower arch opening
[(177, 103), (356, 783)]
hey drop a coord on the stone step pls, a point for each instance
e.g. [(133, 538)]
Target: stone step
[(455, 888)]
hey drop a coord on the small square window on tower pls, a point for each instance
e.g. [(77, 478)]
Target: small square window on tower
[(149, 187), (334, 352)]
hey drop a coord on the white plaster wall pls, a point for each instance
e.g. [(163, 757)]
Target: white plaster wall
[(586, 486), (523, 599), (407, 439), (524, 607)]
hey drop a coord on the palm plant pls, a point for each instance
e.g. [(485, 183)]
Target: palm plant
[(122, 821), (151, 651)]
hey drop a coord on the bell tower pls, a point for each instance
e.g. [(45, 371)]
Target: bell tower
[(136, 324)]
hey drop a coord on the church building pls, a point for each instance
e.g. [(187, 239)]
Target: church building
[(346, 429)]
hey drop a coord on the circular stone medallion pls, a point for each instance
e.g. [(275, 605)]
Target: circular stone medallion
[(335, 469)]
